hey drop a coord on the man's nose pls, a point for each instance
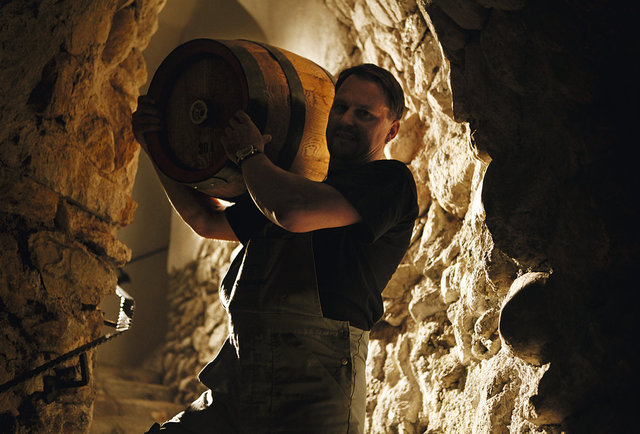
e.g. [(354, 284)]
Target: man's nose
[(347, 117)]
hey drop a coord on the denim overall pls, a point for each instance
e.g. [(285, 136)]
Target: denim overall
[(284, 368)]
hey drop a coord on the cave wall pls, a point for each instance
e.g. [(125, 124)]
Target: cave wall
[(437, 363), (544, 87), (70, 76)]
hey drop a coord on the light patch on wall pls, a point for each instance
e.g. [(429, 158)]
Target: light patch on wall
[(308, 29)]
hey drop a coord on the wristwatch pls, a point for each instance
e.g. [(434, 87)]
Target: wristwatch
[(246, 152)]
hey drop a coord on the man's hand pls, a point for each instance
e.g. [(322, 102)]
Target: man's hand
[(146, 119), (241, 133)]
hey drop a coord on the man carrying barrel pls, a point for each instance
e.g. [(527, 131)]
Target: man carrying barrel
[(305, 289)]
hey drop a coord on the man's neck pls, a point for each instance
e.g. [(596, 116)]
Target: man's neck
[(341, 165)]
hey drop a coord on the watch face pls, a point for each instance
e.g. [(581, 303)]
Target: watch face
[(245, 152)]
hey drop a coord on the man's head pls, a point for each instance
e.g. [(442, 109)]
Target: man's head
[(364, 116), (392, 90)]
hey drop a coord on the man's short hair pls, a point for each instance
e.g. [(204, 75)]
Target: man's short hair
[(392, 90)]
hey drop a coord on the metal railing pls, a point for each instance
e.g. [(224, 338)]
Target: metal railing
[(64, 378)]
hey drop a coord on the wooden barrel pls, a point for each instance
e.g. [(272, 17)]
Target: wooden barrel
[(203, 82)]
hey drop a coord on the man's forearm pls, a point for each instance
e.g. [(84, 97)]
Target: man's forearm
[(204, 214), (292, 201)]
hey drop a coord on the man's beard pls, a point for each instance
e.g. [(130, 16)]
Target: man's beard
[(347, 150), (346, 142)]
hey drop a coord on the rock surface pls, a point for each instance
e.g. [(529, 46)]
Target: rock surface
[(70, 76)]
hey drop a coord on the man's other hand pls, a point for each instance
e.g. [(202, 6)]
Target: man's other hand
[(241, 133), (146, 119)]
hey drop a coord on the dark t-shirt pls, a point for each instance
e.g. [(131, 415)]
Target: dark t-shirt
[(354, 263)]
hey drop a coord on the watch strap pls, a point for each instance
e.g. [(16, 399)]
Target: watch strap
[(246, 153)]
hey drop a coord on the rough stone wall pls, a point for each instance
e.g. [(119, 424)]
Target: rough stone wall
[(544, 87), (69, 78), (526, 224)]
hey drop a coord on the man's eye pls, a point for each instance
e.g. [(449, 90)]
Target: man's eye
[(339, 108), (364, 115)]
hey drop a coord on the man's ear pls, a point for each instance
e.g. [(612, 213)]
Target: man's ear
[(393, 131)]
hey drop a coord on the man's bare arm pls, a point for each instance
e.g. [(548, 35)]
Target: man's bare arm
[(291, 201), (202, 213), (294, 202)]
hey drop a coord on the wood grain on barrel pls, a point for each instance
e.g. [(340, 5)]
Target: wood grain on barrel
[(312, 160)]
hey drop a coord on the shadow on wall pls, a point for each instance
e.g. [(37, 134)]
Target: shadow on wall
[(222, 20)]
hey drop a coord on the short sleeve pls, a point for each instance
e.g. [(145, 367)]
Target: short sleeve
[(245, 218), (383, 192)]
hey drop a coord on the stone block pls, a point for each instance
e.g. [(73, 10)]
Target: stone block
[(426, 301), (122, 37), (217, 339), (487, 323), (381, 13), (92, 231), (449, 372), (450, 283), (525, 325), (200, 340), (72, 276), (387, 44), (24, 197), (437, 236), (395, 313), (91, 28), (401, 282), (147, 12), (452, 37), (451, 167), (408, 142), (462, 321)]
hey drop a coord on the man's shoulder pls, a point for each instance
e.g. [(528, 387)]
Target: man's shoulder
[(392, 166), (374, 177), (379, 190), (377, 167), (395, 172)]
